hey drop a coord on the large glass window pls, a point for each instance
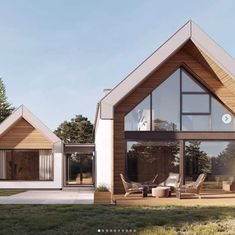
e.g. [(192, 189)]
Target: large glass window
[(180, 103), (26, 165), (139, 118), (165, 96), (146, 159), (221, 118), (195, 103), (215, 158), (195, 122), (189, 84)]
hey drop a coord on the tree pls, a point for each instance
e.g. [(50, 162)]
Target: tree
[(224, 162), (163, 125), (145, 159), (5, 107), (77, 130), (197, 161)]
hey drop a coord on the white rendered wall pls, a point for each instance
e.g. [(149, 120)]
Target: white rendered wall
[(55, 184), (104, 152)]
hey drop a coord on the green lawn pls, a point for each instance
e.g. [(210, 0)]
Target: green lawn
[(6, 192), (87, 219)]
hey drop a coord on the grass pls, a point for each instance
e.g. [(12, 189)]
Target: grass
[(87, 219), (6, 192)]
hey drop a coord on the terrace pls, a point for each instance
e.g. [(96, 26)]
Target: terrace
[(208, 198)]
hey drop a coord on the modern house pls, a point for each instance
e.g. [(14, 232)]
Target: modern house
[(173, 113)]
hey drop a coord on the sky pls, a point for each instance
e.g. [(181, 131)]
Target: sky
[(57, 56)]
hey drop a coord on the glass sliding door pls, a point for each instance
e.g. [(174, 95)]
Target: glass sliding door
[(215, 158), (145, 159), (79, 169)]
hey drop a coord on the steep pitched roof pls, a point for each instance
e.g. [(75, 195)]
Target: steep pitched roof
[(189, 31), (23, 112)]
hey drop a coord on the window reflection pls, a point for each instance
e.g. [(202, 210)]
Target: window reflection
[(200, 110), (217, 117), (146, 159), (27, 165), (196, 103), (166, 104), (216, 158), (195, 122), (139, 118), (188, 83)]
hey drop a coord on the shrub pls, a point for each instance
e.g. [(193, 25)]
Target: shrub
[(102, 188)]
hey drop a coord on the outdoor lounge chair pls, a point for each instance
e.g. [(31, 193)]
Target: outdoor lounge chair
[(131, 187), (135, 187), (173, 181), (194, 188)]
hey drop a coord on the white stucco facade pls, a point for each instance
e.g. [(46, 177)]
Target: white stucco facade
[(104, 152)]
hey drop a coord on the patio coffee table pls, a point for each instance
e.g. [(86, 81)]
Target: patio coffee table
[(161, 191), (145, 191)]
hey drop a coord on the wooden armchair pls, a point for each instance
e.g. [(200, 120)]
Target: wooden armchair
[(131, 187), (194, 187), (135, 187), (173, 181)]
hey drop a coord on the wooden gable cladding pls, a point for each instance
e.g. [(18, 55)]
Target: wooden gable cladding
[(203, 58), (23, 136), (182, 58)]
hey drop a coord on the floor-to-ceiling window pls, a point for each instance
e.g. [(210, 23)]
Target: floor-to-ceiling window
[(215, 158), (176, 111), (27, 165), (79, 169), (145, 159)]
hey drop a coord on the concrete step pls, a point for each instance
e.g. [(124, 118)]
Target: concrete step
[(79, 188)]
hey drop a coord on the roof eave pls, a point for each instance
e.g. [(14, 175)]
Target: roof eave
[(190, 31), (203, 41), (143, 70), (23, 112)]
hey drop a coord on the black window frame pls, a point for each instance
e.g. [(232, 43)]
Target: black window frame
[(204, 92)]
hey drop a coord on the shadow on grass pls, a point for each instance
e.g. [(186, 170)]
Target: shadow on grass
[(87, 219), (9, 192)]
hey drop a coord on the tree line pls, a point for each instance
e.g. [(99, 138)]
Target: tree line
[(77, 130)]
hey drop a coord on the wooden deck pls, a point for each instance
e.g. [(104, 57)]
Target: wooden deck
[(209, 198)]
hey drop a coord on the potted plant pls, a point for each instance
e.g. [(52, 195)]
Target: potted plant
[(102, 195)]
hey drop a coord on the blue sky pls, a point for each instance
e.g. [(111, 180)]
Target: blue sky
[(58, 56)]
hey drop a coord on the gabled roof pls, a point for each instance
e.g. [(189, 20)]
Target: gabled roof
[(189, 31), (23, 112)]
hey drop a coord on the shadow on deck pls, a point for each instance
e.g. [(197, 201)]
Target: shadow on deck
[(208, 198)]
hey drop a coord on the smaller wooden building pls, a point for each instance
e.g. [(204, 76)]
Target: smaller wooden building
[(31, 155)]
